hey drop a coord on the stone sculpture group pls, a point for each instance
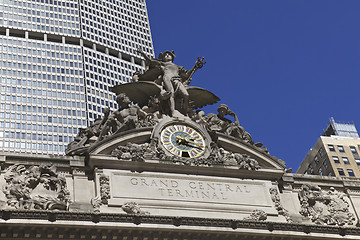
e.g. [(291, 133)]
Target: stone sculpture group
[(161, 92), (160, 101), (35, 187)]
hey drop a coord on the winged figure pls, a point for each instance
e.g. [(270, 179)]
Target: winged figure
[(141, 92)]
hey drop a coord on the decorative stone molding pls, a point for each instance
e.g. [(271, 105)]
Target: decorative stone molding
[(133, 152), (257, 215), (218, 156), (96, 203), (104, 188), (133, 208), (104, 196), (291, 229), (35, 187), (275, 197), (325, 207)]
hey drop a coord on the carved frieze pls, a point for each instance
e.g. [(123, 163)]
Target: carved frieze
[(133, 208), (218, 156), (325, 207), (275, 197), (104, 188), (133, 152), (257, 215), (104, 196), (35, 187)]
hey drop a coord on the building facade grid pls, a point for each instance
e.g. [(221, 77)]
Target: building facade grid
[(58, 60)]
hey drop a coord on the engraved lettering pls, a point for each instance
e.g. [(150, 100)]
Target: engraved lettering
[(211, 185), (170, 192), (174, 184), (222, 195), (134, 181), (153, 183), (228, 188), (205, 194), (214, 196), (189, 194), (183, 189), (143, 181), (178, 193), (246, 190), (164, 183), (161, 191)]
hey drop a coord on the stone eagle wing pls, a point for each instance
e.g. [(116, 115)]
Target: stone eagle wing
[(200, 97), (138, 92)]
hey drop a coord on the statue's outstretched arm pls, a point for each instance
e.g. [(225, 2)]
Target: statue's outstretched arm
[(198, 64), (143, 54)]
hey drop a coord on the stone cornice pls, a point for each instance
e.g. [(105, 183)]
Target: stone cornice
[(101, 161), (296, 180), (77, 221)]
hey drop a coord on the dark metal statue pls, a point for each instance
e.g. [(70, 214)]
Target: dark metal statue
[(172, 77)]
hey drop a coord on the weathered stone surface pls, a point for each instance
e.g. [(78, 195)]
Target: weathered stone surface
[(181, 195), (325, 207), (257, 215), (275, 197), (35, 187), (133, 208), (218, 156)]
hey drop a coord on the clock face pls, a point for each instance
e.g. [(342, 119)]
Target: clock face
[(182, 141)]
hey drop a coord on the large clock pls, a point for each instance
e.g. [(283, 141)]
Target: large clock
[(183, 141)]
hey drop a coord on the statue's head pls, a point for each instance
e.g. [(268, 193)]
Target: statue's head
[(223, 109), (167, 56), (122, 99)]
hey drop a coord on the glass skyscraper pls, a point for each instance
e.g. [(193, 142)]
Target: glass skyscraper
[(58, 59)]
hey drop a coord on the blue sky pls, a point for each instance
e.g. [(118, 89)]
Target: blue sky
[(283, 66)]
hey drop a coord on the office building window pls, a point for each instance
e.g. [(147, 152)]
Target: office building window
[(320, 172), (353, 149), (341, 172), (336, 159), (325, 163), (345, 160), (351, 172), (316, 160), (321, 152), (357, 160), (331, 148), (341, 148), (310, 169)]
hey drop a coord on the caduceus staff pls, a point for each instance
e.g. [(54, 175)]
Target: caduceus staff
[(198, 64)]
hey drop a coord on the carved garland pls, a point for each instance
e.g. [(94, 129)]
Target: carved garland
[(257, 215), (104, 188), (104, 196), (102, 199), (218, 156), (275, 197)]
